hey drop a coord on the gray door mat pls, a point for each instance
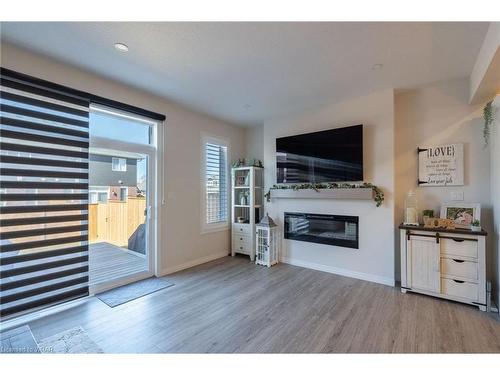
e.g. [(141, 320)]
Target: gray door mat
[(71, 341), (126, 293), (18, 340)]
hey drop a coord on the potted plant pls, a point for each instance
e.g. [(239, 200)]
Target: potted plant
[(427, 214), (476, 226)]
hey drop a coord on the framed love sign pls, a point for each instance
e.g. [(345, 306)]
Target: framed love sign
[(441, 165)]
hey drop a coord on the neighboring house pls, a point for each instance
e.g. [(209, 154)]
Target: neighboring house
[(112, 178), (213, 195)]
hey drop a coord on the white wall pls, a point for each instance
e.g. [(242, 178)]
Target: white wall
[(440, 114), (181, 242), (374, 260)]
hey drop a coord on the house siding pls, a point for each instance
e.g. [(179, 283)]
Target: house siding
[(101, 173)]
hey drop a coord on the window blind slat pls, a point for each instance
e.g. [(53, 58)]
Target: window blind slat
[(42, 138), (42, 232), (66, 296), (42, 150), (42, 127), (43, 197), (41, 115), (45, 162), (41, 220), (30, 100), (44, 208), (41, 185), (43, 243), (42, 255), (42, 173), (44, 289)]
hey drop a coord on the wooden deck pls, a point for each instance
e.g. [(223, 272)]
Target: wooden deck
[(108, 262)]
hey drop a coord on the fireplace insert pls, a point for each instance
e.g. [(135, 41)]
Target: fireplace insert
[(337, 230)]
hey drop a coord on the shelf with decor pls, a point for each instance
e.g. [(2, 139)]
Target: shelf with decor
[(247, 198), (355, 191)]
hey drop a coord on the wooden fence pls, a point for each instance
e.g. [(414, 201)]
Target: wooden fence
[(115, 221)]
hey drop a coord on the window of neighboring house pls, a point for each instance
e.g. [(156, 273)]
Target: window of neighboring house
[(215, 184), (123, 193), (119, 165), (98, 194), (102, 197)]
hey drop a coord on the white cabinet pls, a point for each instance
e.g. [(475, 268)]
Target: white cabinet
[(449, 264), (247, 202)]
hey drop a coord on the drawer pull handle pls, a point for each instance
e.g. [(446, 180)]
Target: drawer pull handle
[(241, 239), (459, 281), (241, 247), (241, 229), (458, 260), (458, 239)]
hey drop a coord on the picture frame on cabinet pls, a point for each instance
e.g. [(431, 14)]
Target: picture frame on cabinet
[(462, 214)]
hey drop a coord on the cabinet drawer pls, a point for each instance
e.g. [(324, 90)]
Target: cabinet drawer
[(462, 248), (456, 288), (243, 248), (459, 268), (242, 229), (239, 239)]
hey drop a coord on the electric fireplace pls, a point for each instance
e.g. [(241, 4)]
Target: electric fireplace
[(337, 230)]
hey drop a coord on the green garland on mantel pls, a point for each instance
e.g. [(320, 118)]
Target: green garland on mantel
[(378, 195)]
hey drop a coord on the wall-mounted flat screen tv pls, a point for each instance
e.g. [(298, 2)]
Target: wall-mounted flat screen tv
[(334, 155)]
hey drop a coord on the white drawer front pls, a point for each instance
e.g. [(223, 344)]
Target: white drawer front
[(245, 229), (462, 289), (459, 248), (459, 268), (239, 239), (242, 248)]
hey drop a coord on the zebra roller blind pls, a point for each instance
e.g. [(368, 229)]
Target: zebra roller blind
[(44, 142), (216, 183)]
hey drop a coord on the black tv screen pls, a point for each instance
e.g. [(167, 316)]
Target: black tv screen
[(334, 155)]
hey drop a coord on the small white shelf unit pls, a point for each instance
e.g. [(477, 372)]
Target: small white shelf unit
[(247, 199)]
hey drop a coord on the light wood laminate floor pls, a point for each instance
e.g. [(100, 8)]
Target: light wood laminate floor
[(231, 305)]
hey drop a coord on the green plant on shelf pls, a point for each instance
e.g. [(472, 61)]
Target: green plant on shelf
[(428, 213), (378, 194)]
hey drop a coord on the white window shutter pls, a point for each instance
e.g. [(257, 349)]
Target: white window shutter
[(216, 189)]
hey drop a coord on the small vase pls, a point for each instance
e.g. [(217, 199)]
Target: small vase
[(243, 200), (475, 228)]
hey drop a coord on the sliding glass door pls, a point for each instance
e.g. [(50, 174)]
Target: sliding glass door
[(122, 159), (77, 194)]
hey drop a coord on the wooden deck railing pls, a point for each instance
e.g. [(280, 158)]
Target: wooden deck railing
[(115, 221)]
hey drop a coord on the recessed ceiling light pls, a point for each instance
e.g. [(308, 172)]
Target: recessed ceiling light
[(377, 66), (121, 47)]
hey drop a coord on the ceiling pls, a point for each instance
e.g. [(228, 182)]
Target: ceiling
[(246, 73)]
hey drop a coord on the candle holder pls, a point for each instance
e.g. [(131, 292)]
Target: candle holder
[(411, 209)]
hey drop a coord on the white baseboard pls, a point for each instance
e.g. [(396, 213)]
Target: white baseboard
[(192, 263), (340, 271)]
